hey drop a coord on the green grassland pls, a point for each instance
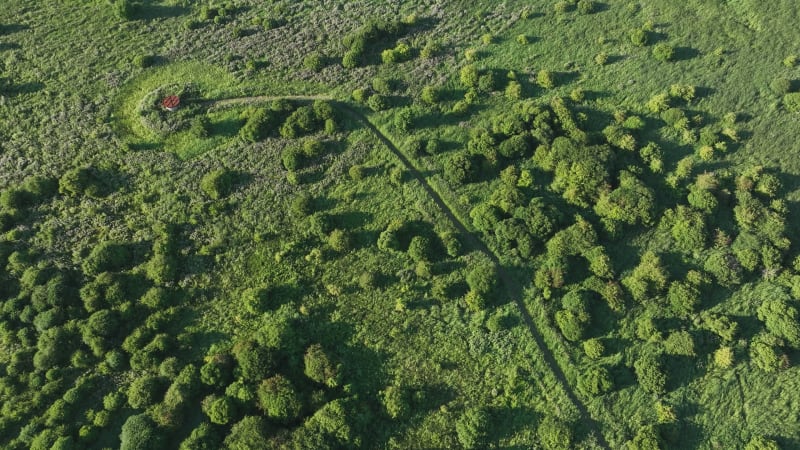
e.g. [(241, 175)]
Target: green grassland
[(414, 224)]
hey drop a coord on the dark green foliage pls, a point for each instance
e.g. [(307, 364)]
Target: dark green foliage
[(724, 267), (648, 278), (377, 102), (125, 9), (683, 297), (292, 158), (554, 434), (313, 62), (631, 203), (585, 6), (572, 323), (255, 300), (514, 147), (140, 433), (483, 278), (278, 399), (107, 256), (259, 124)]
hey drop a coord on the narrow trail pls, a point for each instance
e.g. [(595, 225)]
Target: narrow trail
[(511, 287), (261, 99)]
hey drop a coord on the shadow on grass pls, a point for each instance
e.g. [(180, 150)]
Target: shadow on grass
[(685, 53), (12, 28), (150, 11)]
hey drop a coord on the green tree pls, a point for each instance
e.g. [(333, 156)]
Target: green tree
[(638, 37), (253, 361), (595, 381), (340, 240), (792, 101), (458, 169), (319, 367), (469, 76), (144, 391), (419, 249), (663, 52), (279, 400), (248, 434), (544, 78), (140, 433), (219, 409)]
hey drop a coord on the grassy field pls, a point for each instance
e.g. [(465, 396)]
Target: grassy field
[(418, 224)]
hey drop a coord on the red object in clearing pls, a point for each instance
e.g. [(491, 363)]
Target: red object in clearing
[(171, 102)]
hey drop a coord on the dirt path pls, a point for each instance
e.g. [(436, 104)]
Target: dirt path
[(512, 289)]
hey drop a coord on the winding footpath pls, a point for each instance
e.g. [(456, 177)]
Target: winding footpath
[(512, 289)]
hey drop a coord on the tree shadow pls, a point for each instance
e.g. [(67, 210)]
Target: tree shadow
[(681, 370), (683, 433), (12, 28), (9, 46), (684, 53), (149, 10), (25, 88)]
